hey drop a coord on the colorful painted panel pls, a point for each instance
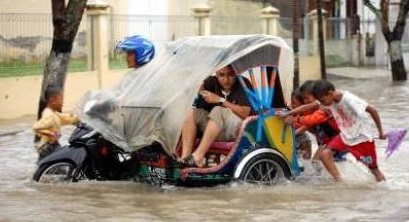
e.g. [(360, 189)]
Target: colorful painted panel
[(280, 136)]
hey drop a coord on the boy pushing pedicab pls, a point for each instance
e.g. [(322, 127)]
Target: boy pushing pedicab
[(350, 113)]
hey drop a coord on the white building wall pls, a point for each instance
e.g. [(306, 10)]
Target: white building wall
[(382, 58), (157, 26), (151, 7), (343, 15), (367, 15)]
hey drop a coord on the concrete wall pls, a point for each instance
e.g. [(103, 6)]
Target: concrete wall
[(25, 6), (345, 53), (309, 68), (44, 6), (19, 96), (338, 52), (26, 29), (224, 15)]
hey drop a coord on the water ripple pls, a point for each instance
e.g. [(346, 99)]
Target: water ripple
[(311, 197)]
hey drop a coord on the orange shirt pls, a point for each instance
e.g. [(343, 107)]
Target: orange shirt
[(315, 118), (320, 118)]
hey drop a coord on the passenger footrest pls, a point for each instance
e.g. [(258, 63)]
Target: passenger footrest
[(217, 152)]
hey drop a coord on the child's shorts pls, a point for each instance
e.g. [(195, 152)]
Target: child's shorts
[(47, 149), (302, 139), (365, 152)]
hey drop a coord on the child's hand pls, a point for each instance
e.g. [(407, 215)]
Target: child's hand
[(53, 135), (282, 114), (382, 136), (56, 135), (290, 120)]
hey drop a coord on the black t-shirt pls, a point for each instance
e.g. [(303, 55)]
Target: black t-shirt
[(236, 95)]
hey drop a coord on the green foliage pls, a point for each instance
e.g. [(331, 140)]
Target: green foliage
[(21, 68), (117, 64)]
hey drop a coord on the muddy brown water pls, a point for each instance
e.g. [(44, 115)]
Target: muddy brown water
[(310, 197)]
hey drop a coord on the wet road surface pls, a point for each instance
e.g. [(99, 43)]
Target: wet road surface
[(311, 197)]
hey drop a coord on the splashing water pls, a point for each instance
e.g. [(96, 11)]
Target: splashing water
[(311, 197)]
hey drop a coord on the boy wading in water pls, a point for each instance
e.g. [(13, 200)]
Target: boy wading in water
[(350, 113), (48, 127), (303, 142)]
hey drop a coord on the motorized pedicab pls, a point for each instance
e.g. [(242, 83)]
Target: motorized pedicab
[(133, 131)]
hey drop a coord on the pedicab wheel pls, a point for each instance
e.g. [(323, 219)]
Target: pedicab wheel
[(58, 172), (265, 169)]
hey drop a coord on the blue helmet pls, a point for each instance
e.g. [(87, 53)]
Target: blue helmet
[(143, 49)]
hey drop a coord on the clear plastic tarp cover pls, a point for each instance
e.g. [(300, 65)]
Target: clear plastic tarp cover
[(151, 102)]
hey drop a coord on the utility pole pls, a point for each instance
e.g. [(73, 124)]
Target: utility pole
[(321, 40)]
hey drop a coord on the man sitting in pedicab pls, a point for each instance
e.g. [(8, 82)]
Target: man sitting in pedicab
[(216, 114)]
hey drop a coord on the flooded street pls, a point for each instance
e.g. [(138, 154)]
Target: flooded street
[(308, 198)]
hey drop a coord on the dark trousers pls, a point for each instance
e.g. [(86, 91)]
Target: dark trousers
[(47, 149)]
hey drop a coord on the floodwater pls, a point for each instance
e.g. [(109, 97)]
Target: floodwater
[(311, 197)]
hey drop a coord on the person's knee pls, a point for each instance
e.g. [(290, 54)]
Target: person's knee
[(213, 125), (325, 153), (217, 111), (216, 116), (199, 117), (191, 114), (190, 120)]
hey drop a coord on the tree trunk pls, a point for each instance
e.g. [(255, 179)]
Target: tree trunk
[(321, 40), (396, 61), (394, 37), (66, 20), (55, 73), (296, 36)]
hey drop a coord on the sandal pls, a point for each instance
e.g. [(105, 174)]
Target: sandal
[(188, 161)]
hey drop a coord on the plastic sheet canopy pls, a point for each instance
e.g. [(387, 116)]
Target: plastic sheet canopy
[(151, 103)]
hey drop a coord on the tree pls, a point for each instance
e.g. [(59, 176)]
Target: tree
[(394, 37), (321, 40), (66, 20), (296, 36)]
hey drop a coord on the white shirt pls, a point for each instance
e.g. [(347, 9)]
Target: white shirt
[(352, 119)]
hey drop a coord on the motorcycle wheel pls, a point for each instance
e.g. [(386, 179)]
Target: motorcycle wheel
[(58, 172), (265, 169)]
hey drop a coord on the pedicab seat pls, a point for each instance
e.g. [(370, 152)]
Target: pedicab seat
[(221, 147)]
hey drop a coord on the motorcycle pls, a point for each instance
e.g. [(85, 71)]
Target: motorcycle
[(132, 132), (89, 156)]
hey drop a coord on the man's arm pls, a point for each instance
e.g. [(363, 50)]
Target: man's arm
[(241, 111), (375, 116)]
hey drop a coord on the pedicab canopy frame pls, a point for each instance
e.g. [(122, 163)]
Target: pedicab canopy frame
[(151, 103)]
